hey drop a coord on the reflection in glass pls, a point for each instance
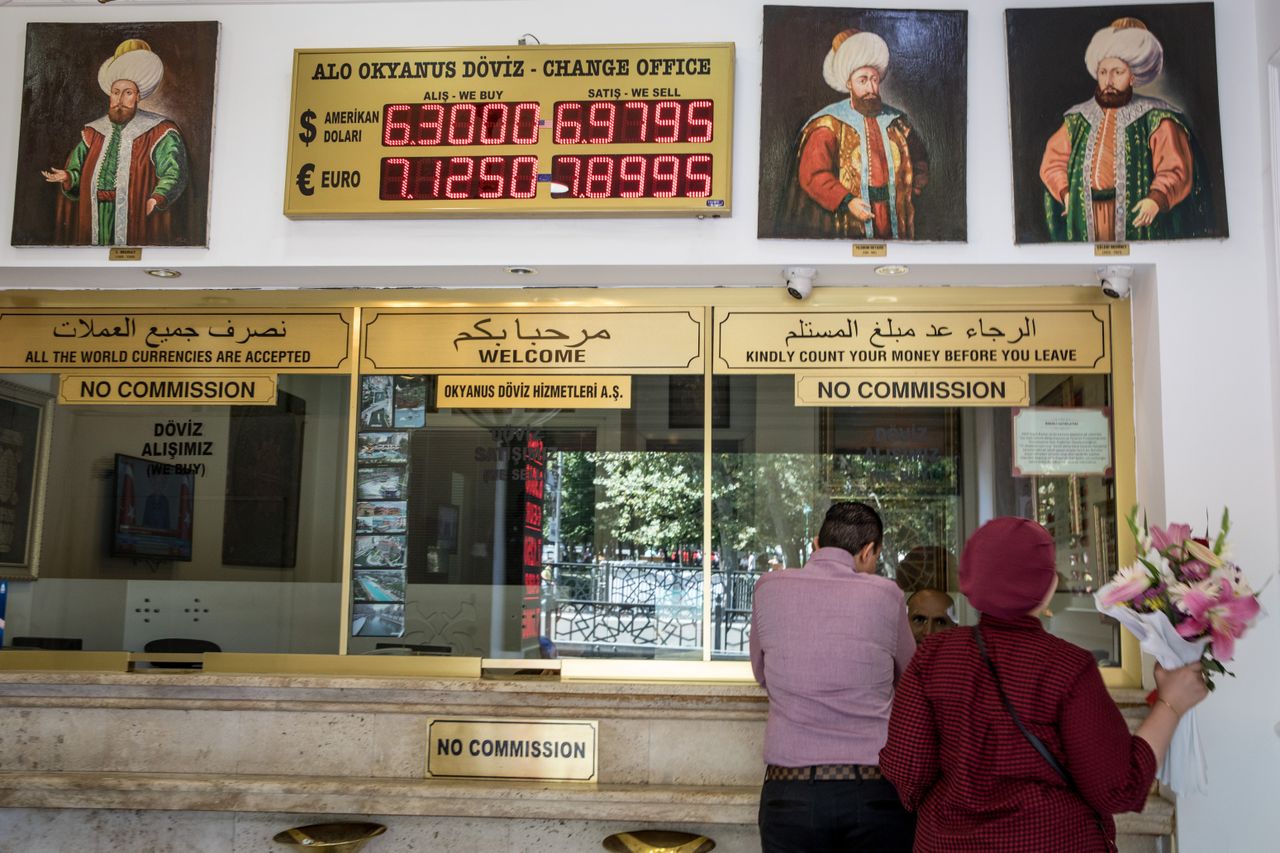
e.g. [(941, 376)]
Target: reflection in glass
[(549, 533), (934, 474), (217, 523)]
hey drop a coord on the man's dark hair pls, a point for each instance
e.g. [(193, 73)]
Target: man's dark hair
[(852, 526)]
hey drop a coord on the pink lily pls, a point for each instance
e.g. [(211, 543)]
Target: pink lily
[(1220, 613), (1194, 570), (1200, 551), (1126, 587), (1169, 540)]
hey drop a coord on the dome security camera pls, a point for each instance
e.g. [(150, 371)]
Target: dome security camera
[(1114, 280), (799, 281)]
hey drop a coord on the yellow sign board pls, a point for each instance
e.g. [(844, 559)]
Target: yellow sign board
[(561, 750), (175, 389), (285, 342), (1067, 340), (636, 129), (532, 392), (572, 342), (884, 388)]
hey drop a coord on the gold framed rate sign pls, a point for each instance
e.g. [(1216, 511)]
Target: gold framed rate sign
[(543, 130)]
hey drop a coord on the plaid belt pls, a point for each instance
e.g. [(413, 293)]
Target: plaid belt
[(822, 772)]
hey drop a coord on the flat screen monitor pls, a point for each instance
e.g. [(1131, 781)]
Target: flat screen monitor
[(153, 509)]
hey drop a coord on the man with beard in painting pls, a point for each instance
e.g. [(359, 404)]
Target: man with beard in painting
[(1124, 166), (860, 164), (128, 167)]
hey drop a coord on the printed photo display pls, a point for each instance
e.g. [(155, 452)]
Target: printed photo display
[(378, 586), (376, 400), (377, 620), (410, 402), (382, 447), (383, 483), (381, 516), (380, 552)]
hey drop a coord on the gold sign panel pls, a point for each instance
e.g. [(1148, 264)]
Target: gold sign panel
[(578, 342), (490, 748), (285, 342), (529, 130), (1069, 340), (531, 392), (876, 388), (175, 389)]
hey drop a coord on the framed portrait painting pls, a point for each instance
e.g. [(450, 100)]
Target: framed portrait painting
[(1114, 123), (25, 417), (862, 129), (116, 134)]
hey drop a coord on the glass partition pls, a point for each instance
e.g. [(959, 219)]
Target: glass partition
[(935, 474), (423, 516), (529, 532), (214, 523)]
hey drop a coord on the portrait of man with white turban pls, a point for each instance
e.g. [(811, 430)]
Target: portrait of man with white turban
[(128, 177), (1124, 165), (859, 167)]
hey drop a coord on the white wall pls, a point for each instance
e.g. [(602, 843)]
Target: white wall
[(1206, 387)]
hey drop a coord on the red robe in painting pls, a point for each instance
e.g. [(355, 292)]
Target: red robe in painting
[(75, 224)]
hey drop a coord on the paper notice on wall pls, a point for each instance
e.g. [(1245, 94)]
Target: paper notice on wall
[(1059, 442)]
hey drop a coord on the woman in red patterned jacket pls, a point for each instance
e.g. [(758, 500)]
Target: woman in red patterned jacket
[(958, 757)]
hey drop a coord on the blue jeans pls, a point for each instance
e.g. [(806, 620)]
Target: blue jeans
[(807, 816)]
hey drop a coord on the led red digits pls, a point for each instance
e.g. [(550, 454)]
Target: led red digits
[(600, 121), (666, 115), (665, 170), (458, 178), (568, 125), (631, 176), (610, 122), (464, 123), (458, 184)]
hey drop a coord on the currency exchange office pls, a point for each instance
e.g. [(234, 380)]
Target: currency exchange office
[(433, 490)]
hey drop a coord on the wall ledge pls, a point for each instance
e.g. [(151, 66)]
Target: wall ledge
[(427, 797)]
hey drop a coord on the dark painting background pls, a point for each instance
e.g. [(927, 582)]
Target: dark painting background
[(926, 79), (1047, 76), (60, 94)]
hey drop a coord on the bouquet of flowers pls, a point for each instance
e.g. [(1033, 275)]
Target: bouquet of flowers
[(1184, 601)]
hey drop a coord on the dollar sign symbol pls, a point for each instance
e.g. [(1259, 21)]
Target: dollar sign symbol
[(308, 134)]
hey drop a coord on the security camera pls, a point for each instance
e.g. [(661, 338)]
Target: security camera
[(1115, 280), (799, 281)]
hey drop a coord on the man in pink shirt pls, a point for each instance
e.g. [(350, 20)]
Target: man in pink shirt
[(828, 643)]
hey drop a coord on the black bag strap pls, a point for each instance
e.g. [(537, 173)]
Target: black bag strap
[(1035, 741)]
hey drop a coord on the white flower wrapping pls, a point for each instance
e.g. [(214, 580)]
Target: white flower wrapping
[(1185, 770)]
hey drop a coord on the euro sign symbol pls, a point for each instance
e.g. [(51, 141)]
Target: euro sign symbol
[(308, 134), (304, 179)]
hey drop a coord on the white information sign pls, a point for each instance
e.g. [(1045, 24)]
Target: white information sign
[(1056, 442)]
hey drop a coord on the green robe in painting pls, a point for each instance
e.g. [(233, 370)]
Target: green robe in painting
[(1135, 123)]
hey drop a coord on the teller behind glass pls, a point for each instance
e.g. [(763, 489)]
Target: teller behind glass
[(1038, 756)]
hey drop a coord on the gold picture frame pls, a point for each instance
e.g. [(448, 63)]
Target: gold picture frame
[(26, 419)]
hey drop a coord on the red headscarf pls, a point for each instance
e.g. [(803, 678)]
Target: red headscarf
[(1007, 566)]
